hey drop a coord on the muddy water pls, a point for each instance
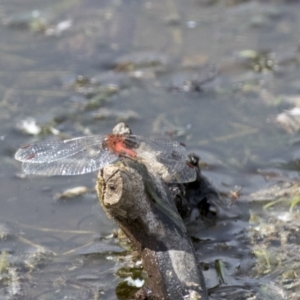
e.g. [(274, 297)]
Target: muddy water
[(214, 75)]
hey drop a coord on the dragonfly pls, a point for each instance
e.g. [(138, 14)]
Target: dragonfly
[(86, 154)]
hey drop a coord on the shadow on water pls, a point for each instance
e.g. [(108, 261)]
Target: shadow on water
[(217, 75)]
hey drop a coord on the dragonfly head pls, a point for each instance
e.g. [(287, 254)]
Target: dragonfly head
[(121, 128)]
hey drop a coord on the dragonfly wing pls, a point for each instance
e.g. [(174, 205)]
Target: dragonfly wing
[(171, 171), (82, 162), (172, 149), (167, 158), (177, 172), (46, 152)]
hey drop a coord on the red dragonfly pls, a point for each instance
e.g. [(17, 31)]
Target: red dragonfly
[(82, 155)]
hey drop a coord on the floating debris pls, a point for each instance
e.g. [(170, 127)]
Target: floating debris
[(132, 279), (14, 288), (71, 193), (98, 89), (173, 20), (262, 61), (5, 231), (38, 256), (191, 80), (144, 60), (100, 95), (30, 126), (134, 282), (191, 24), (59, 28), (3, 263), (96, 248), (35, 21), (290, 120)]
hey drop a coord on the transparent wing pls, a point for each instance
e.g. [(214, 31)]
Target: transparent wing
[(169, 159), (176, 172), (171, 149), (87, 160), (46, 152)]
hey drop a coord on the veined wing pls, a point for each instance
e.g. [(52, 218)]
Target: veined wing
[(177, 172), (142, 144), (86, 160), (169, 159), (46, 152)]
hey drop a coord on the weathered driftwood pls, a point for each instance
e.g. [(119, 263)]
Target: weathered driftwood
[(144, 210)]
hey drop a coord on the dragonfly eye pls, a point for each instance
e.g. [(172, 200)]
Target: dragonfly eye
[(193, 159)]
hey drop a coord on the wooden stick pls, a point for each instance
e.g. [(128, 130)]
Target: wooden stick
[(145, 211)]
